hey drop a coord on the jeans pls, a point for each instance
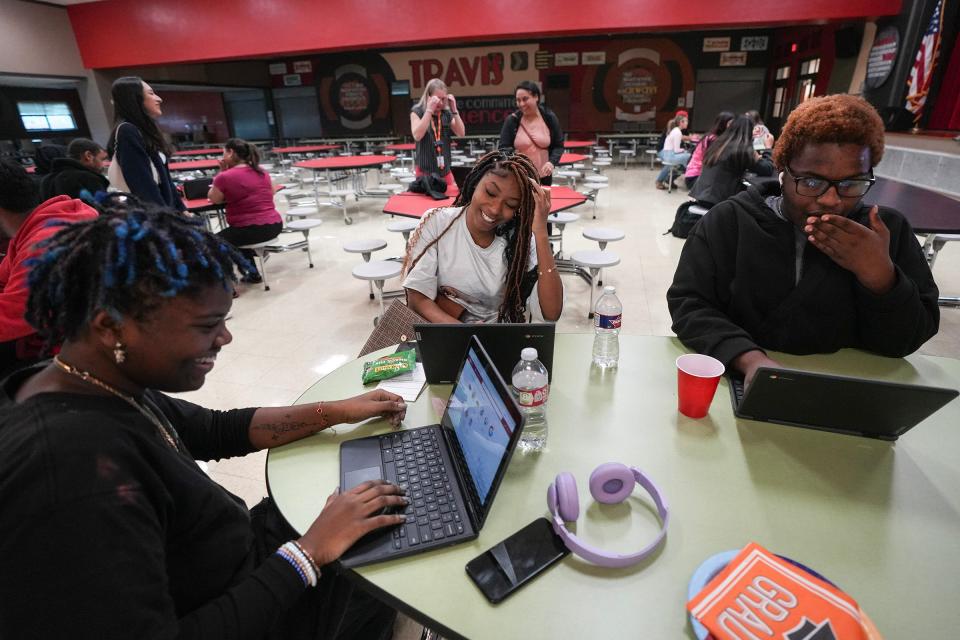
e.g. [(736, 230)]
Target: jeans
[(666, 155)]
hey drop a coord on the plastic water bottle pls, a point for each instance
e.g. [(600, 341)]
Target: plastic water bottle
[(531, 386), (606, 324)]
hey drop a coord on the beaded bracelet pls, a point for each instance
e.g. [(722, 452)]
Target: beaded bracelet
[(296, 567), (542, 273), (306, 554), (305, 568)]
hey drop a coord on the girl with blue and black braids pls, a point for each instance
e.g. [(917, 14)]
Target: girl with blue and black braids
[(110, 529)]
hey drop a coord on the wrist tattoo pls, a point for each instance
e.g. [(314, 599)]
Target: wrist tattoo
[(277, 429)]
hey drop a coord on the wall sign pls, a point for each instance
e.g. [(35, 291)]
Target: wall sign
[(733, 59), (278, 68), (570, 59), (716, 44), (754, 43), (302, 66), (883, 55), (292, 80), (594, 57)]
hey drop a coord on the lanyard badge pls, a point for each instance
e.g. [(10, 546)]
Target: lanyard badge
[(437, 139)]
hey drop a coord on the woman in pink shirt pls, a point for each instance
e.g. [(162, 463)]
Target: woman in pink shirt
[(534, 131), (248, 193)]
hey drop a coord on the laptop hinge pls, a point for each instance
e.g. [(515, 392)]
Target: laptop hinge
[(466, 486)]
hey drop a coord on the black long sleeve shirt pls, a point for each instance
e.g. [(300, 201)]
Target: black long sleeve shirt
[(735, 289), (107, 532)]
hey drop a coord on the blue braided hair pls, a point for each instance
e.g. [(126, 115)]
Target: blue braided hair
[(126, 262)]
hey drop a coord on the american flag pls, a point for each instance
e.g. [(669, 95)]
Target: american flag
[(922, 73)]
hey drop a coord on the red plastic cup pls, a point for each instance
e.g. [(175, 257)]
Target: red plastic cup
[(697, 379)]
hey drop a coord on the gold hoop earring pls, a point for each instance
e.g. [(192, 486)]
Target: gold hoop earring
[(119, 352)]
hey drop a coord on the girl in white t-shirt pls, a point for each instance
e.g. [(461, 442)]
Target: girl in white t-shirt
[(479, 260), (673, 150)]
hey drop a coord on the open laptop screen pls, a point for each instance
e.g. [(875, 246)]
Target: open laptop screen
[(482, 422)]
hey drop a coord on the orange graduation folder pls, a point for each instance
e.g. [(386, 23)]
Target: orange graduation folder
[(758, 596)]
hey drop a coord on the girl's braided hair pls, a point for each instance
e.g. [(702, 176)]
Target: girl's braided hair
[(125, 261), (517, 233)]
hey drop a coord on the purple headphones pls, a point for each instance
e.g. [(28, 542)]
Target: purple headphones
[(610, 483)]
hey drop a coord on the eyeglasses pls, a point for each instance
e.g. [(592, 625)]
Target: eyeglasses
[(816, 187)]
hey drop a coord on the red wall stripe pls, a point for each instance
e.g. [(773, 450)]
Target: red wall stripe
[(117, 33)]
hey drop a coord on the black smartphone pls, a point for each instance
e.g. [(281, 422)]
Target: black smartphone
[(509, 565)]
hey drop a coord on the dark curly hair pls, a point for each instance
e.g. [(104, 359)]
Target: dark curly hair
[(126, 262), (841, 119)]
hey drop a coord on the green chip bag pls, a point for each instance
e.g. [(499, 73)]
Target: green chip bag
[(391, 366)]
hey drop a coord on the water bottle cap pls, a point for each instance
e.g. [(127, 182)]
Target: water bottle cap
[(609, 289), (529, 353)]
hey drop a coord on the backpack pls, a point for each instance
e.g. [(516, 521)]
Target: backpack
[(684, 220)]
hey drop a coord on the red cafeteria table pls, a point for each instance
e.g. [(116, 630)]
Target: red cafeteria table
[(579, 144), (571, 158), (212, 151), (194, 165), (353, 166)]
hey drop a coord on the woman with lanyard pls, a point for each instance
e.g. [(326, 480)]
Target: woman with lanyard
[(433, 121), (111, 530), (534, 131)]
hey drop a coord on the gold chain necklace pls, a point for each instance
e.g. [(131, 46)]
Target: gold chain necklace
[(89, 378)]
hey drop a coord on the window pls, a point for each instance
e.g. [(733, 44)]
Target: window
[(807, 86), (779, 102), (783, 73), (46, 116), (810, 67)]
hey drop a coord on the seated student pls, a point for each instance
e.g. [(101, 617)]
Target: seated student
[(26, 223), (97, 461), (248, 191), (695, 166), (479, 260), (43, 160), (79, 175), (673, 150), (725, 163), (812, 271)]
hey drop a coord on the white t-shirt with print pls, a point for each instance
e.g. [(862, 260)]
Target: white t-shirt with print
[(473, 276)]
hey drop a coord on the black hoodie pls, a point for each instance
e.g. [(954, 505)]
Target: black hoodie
[(68, 177), (734, 289)]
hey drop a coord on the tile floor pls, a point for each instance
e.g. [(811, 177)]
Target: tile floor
[(314, 320)]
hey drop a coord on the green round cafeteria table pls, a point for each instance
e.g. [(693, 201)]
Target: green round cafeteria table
[(880, 519)]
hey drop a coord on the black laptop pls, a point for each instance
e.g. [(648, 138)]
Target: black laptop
[(451, 470), (440, 347), (854, 406)]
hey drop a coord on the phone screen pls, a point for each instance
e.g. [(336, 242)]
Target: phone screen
[(509, 565)]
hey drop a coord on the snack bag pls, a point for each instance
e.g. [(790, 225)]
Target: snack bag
[(389, 366)]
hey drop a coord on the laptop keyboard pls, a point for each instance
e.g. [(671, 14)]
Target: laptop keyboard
[(414, 461)]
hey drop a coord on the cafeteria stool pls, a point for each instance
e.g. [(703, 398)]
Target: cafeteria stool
[(561, 219), (404, 226), (303, 225), (570, 175), (652, 154), (260, 250), (592, 189), (376, 273), (595, 262), (674, 173), (626, 154), (365, 248), (301, 211), (602, 236)]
